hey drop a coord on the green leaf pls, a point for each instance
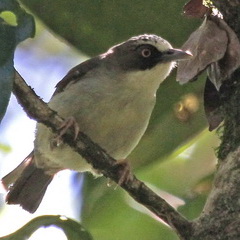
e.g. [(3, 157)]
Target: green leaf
[(94, 26), (10, 36), (72, 229), (5, 148)]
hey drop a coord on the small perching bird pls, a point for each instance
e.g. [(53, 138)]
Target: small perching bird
[(111, 98)]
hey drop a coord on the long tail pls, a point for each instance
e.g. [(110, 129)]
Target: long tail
[(26, 185)]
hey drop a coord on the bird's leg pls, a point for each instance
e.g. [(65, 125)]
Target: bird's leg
[(68, 123)]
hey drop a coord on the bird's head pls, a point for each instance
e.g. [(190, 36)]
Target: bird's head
[(145, 56)]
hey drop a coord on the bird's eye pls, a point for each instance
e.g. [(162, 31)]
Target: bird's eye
[(146, 52)]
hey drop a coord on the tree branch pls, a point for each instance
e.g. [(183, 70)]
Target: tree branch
[(220, 217), (231, 12), (99, 159)]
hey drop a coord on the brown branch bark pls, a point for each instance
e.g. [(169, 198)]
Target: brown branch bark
[(231, 12), (99, 159)]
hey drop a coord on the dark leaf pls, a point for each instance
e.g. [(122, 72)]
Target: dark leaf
[(212, 105), (72, 229), (208, 44), (10, 36), (195, 8), (94, 26), (221, 70), (214, 46), (6, 82)]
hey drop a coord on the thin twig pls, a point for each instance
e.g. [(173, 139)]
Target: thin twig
[(99, 159)]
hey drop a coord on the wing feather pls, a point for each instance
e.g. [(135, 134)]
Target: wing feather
[(77, 73)]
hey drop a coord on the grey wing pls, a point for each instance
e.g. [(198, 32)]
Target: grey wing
[(76, 73)]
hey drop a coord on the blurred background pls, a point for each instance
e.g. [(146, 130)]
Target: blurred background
[(175, 157)]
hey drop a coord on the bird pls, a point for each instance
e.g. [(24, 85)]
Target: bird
[(110, 98)]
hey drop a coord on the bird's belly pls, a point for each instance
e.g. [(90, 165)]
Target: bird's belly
[(118, 133), (117, 128)]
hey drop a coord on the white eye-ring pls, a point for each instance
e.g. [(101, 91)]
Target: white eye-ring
[(146, 52)]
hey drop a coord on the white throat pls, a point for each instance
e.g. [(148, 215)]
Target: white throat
[(148, 81)]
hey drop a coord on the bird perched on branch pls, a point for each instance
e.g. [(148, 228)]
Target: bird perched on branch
[(110, 98)]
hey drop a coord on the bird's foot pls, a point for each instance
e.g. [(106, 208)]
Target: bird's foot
[(124, 170), (68, 123)]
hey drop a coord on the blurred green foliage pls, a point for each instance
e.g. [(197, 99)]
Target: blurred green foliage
[(93, 26), (5, 148)]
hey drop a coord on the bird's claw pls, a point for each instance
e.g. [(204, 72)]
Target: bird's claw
[(124, 171), (68, 123)]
